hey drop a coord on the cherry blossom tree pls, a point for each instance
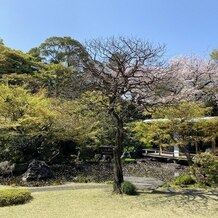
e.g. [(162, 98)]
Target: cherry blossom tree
[(194, 79)]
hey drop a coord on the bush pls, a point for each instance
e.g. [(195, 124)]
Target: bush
[(109, 182), (205, 169), (97, 157), (128, 188), (14, 196), (84, 178), (183, 179), (86, 153)]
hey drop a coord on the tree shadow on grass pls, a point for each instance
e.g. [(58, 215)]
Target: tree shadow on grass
[(196, 202)]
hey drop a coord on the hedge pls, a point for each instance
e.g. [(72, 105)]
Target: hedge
[(14, 196)]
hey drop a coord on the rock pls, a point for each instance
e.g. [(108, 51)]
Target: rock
[(143, 183), (20, 168), (125, 155), (6, 168), (106, 158), (37, 170)]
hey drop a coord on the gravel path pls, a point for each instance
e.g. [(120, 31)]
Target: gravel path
[(67, 187), (144, 183), (141, 183)]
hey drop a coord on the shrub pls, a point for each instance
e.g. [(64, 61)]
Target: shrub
[(109, 182), (183, 179), (205, 169), (86, 153), (97, 157), (14, 196), (84, 178), (128, 188), (73, 158)]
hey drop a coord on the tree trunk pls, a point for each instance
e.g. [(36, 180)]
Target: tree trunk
[(117, 152), (213, 146), (187, 154), (196, 148), (160, 150)]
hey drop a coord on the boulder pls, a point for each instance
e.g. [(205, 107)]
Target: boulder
[(106, 158), (125, 155), (20, 168), (37, 170), (6, 168)]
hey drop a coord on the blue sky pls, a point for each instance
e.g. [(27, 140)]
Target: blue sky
[(187, 27)]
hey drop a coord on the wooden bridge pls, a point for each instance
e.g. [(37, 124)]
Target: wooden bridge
[(164, 156)]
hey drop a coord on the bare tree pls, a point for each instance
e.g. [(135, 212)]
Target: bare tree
[(129, 72)]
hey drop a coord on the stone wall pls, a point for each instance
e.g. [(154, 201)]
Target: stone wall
[(104, 171), (101, 172), (159, 170)]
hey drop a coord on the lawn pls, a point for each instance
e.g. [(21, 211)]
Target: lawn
[(4, 186), (100, 203)]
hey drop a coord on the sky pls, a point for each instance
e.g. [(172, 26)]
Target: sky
[(186, 27)]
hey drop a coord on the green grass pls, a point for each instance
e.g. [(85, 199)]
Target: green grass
[(129, 160), (99, 203), (4, 186)]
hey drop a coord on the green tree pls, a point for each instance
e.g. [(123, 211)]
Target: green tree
[(14, 61), (150, 134), (61, 50), (83, 122), (1, 42), (64, 75), (177, 126), (59, 81), (35, 53), (77, 121), (209, 131), (184, 117), (214, 55), (26, 121)]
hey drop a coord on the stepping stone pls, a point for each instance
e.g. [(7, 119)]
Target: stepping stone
[(144, 182)]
